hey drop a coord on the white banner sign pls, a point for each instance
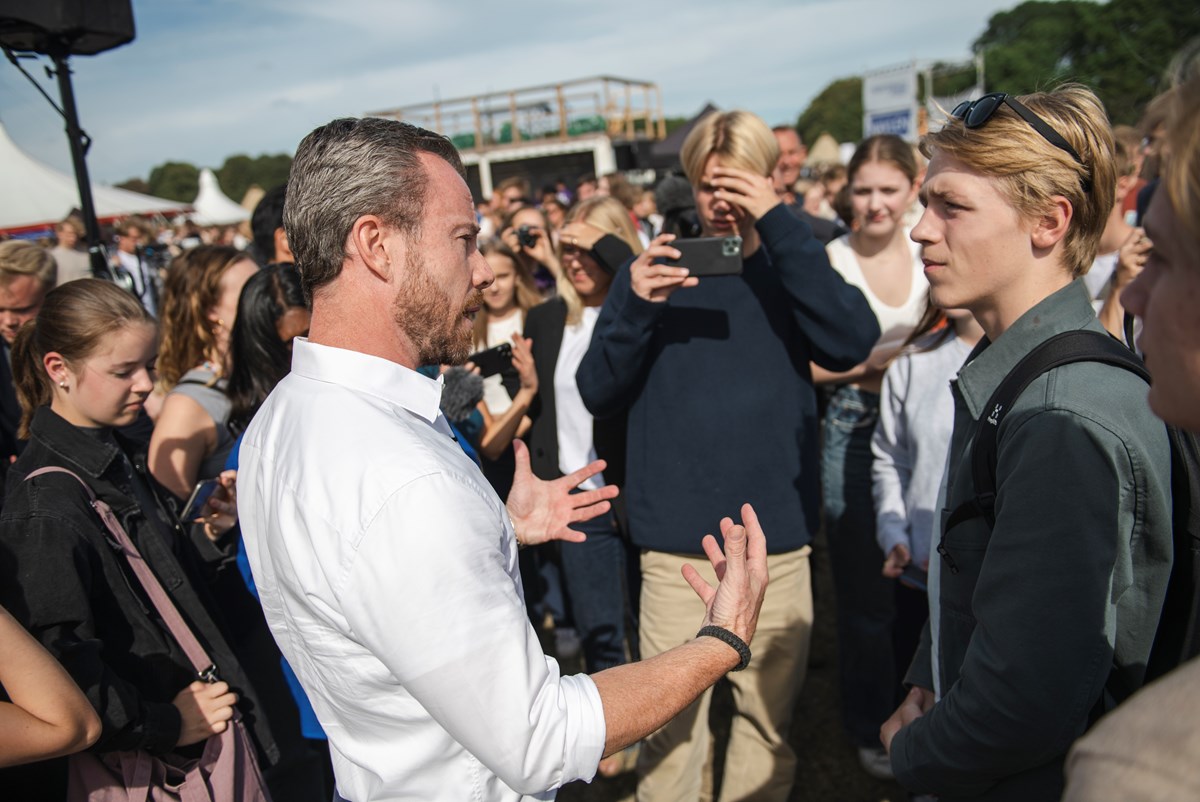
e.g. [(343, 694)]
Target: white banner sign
[(890, 102)]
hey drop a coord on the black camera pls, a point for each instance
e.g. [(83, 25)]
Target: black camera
[(527, 237)]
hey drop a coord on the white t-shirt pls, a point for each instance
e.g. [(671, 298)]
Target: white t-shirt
[(500, 331), (576, 446), (895, 322), (1098, 277)]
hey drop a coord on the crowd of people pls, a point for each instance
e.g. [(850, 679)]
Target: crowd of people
[(377, 455)]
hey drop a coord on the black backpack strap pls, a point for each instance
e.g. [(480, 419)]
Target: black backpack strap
[(1062, 349)]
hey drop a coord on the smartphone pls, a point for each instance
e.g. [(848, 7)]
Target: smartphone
[(915, 578), (709, 256), (201, 493), (493, 360)]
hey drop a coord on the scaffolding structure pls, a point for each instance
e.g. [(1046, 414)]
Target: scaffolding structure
[(619, 108)]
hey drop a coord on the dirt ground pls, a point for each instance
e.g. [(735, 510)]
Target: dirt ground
[(828, 769)]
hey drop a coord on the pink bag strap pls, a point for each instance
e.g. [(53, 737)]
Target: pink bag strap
[(205, 669)]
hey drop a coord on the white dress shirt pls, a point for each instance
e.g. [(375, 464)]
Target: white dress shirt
[(387, 567)]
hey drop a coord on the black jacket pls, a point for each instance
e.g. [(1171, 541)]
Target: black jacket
[(60, 577), (544, 324)]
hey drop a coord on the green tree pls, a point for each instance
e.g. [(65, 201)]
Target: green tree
[(236, 175), (1130, 49), (1031, 47), (135, 185), (240, 172), (1120, 49), (837, 110), (675, 123), (271, 171), (949, 79), (178, 181)]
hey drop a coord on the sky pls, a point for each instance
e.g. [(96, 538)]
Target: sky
[(206, 79)]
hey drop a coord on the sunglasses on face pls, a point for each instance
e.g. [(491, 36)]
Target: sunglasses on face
[(976, 113)]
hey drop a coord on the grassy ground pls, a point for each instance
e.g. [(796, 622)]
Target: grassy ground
[(828, 768)]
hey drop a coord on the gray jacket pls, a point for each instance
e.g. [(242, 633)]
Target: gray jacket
[(1067, 587)]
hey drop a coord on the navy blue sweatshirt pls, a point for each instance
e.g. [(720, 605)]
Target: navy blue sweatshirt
[(720, 397)]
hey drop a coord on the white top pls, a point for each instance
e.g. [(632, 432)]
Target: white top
[(895, 322), (576, 444), (1098, 279), (500, 331), (912, 438), (387, 569)]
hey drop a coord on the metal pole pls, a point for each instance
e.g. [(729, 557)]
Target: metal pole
[(96, 249)]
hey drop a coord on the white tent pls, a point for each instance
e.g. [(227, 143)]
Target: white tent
[(36, 195), (212, 207), (824, 152)]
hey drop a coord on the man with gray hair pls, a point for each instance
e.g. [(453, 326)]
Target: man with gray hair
[(386, 564)]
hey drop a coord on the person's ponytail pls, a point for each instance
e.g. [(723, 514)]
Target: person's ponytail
[(29, 375)]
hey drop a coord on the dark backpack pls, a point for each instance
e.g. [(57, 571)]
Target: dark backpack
[(1176, 639)]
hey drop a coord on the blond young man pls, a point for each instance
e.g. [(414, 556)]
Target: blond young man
[(1039, 619)]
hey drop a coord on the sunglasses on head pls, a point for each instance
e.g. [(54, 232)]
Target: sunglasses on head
[(976, 113)]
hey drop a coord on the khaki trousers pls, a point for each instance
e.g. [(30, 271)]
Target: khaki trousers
[(759, 764)]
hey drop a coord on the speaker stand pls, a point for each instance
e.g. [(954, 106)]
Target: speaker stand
[(80, 142)]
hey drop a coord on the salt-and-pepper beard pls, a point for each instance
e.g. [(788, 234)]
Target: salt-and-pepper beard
[(430, 320)]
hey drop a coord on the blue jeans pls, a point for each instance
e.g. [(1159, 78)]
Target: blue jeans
[(865, 598), (541, 577), (597, 576)]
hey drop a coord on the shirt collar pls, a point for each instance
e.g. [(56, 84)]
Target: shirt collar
[(92, 454), (1065, 310), (372, 375)]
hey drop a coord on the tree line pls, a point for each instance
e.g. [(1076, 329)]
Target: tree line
[(180, 181), (1121, 49)]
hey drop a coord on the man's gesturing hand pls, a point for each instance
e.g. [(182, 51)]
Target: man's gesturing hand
[(918, 702), (741, 576), (541, 510)]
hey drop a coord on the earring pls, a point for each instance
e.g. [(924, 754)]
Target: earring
[(63, 384)]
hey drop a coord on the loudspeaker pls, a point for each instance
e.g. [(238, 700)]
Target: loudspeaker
[(67, 27)]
